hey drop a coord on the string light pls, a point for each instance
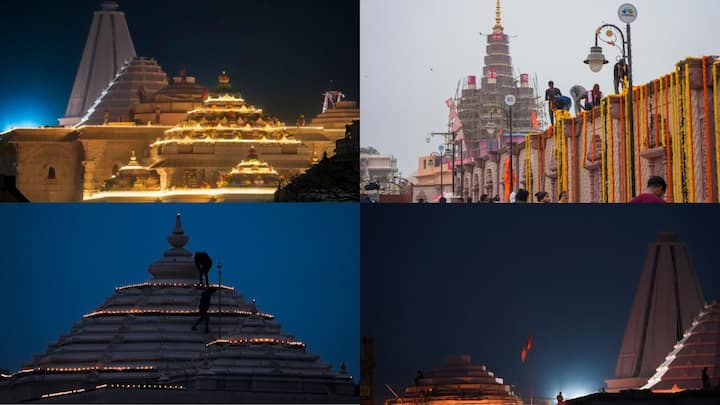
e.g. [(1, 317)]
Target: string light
[(167, 284), (137, 311), (159, 194), (243, 341), (78, 369), (184, 141), (116, 386), (57, 394), (243, 110)]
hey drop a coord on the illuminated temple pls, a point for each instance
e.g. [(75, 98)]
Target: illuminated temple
[(458, 381), (671, 334), (189, 138), (137, 346)]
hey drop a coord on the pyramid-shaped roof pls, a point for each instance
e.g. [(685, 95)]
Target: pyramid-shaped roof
[(138, 78), (698, 349), (458, 380), (138, 346)]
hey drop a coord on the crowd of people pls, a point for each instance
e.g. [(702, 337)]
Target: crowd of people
[(654, 194)]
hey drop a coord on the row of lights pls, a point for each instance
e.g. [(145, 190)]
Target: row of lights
[(220, 127), (293, 343), (76, 369), (188, 140), (144, 386), (123, 386), (242, 109), (224, 97), (185, 285), (57, 394), (158, 194), (174, 312)]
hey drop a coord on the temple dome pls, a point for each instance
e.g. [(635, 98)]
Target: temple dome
[(225, 116), (133, 176), (458, 380), (251, 172), (137, 346)]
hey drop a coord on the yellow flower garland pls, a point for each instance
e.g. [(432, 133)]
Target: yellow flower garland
[(717, 124)]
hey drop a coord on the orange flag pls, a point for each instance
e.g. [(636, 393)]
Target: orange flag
[(526, 348), (535, 124)]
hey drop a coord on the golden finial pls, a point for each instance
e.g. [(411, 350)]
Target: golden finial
[(498, 19)]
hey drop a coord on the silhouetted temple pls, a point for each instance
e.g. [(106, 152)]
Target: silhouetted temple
[(458, 381)]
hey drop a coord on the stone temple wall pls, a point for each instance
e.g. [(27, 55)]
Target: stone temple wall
[(677, 136)]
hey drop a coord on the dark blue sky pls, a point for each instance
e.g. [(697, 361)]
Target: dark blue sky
[(438, 280), (300, 262), (281, 54)]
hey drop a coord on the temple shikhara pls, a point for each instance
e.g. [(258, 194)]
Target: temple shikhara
[(672, 334), (138, 347), (131, 133)]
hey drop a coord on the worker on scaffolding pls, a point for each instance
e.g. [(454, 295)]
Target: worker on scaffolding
[(551, 94)]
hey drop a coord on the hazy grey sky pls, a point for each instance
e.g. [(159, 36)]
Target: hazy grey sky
[(402, 40)]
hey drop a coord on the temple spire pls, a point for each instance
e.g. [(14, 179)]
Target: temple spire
[(107, 48), (498, 28), (178, 239)]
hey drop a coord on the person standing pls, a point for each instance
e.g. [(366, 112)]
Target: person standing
[(550, 94), (593, 97)]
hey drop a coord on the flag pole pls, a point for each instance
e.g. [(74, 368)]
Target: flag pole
[(531, 381), (219, 298)]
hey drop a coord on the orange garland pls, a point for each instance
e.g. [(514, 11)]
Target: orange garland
[(592, 138), (611, 160), (623, 156), (646, 107), (655, 117), (574, 161), (585, 143), (668, 141), (708, 163), (636, 107)]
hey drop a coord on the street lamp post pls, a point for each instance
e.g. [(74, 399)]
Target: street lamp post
[(596, 60), (441, 148), (510, 101)]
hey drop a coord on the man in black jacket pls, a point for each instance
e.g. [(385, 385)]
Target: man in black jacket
[(203, 262)]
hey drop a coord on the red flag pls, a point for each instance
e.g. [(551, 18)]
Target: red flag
[(526, 348)]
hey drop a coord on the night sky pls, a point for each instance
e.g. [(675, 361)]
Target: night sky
[(300, 262), (281, 55), (439, 280)]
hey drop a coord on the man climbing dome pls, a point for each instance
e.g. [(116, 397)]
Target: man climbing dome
[(204, 307), (203, 262)]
